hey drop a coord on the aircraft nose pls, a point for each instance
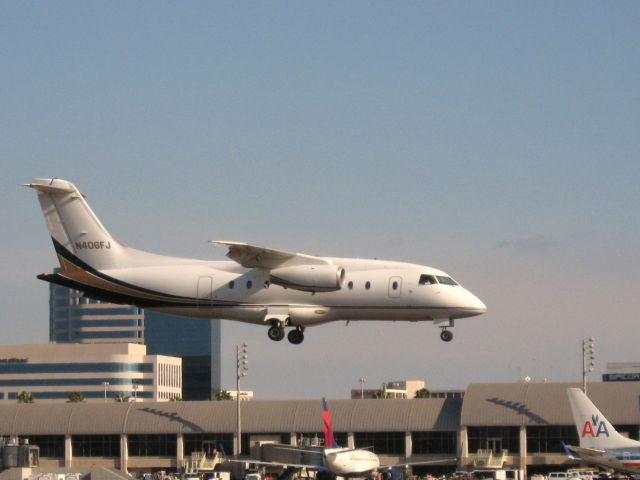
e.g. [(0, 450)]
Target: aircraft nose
[(474, 304)]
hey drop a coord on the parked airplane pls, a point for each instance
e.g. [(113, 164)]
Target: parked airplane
[(600, 443), (261, 285), (341, 461)]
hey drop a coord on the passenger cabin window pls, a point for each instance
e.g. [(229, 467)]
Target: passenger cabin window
[(249, 284), (231, 284), (446, 280), (427, 280), (367, 285)]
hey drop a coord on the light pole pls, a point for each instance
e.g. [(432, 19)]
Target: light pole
[(362, 381), (105, 385), (135, 390), (242, 367), (588, 360)]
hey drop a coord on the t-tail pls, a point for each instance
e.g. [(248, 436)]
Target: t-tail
[(329, 440), (79, 238), (594, 430), (86, 251)]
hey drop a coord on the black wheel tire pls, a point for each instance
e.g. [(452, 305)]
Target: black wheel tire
[(295, 336), (276, 333), (446, 335)]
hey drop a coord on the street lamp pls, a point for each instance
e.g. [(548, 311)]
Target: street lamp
[(105, 385), (242, 367), (588, 360), (362, 381)]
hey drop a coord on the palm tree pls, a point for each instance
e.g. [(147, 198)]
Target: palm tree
[(380, 394), (76, 397), (223, 395), (121, 397), (422, 393), (25, 397)]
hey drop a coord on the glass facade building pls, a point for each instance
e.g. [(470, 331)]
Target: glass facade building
[(74, 318)]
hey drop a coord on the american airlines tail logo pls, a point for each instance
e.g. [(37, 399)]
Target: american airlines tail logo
[(594, 428)]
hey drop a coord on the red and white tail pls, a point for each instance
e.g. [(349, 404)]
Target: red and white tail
[(329, 440)]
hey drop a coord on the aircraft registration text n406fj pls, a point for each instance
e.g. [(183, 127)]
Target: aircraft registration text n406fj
[(258, 285)]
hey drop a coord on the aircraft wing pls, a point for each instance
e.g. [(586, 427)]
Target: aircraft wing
[(306, 466), (279, 464), (253, 256), (423, 462), (589, 452)]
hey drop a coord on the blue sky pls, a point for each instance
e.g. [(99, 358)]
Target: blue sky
[(498, 141)]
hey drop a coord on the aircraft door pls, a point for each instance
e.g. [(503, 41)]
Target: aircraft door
[(395, 287), (205, 290)]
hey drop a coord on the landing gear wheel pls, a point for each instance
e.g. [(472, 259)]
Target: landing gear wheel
[(295, 336), (446, 335), (276, 333)]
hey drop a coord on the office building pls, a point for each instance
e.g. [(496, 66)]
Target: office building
[(99, 372), (394, 389), (78, 319), (74, 318)]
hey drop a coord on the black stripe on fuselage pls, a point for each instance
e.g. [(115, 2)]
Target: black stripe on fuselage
[(167, 300)]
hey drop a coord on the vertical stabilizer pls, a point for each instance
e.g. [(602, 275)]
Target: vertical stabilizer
[(329, 440), (594, 430), (76, 232)]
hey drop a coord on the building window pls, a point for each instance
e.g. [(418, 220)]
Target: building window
[(549, 439), (51, 446), (152, 445), (425, 443), (384, 443), (95, 445), (208, 443), (495, 439)]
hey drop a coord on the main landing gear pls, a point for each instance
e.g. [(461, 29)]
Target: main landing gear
[(276, 333)]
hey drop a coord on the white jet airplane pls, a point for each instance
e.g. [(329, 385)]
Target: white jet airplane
[(261, 286), (341, 461), (600, 443)]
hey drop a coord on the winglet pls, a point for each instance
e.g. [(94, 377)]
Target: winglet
[(567, 451)]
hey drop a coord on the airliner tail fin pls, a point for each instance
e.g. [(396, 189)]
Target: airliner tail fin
[(329, 439), (78, 236), (594, 430)]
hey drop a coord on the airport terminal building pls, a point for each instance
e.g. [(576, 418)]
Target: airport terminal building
[(519, 425)]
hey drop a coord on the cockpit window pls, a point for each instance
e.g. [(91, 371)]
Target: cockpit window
[(446, 280), (427, 280)]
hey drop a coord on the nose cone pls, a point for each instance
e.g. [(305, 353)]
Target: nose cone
[(471, 305)]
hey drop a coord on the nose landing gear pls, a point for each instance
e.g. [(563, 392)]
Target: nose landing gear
[(446, 335)]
